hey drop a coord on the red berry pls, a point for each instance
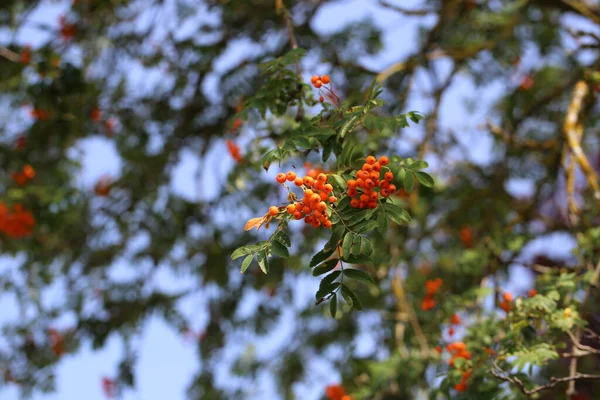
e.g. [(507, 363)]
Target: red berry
[(325, 79), (280, 177)]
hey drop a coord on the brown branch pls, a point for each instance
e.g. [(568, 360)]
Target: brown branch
[(572, 127), (525, 144), (404, 306), (9, 55), (405, 11), (583, 9), (503, 375)]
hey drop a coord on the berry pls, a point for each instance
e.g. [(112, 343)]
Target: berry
[(325, 79), (364, 197), (376, 167), (280, 177), (372, 204), (352, 192), (360, 182), (388, 176), (371, 160), (391, 189), (354, 203), (374, 196), (327, 224), (308, 181), (314, 79), (324, 195), (367, 167), (318, 84), (291, 209), (290, 176), (306, 210), (322, 178), (383, 160), (321, 99), (384, 192), (315, 198), (384, 184), (308, 193), (273, 210), (332, 199), (322, 206), (351, 183), (328, 188), (298, 181), (369, 184)]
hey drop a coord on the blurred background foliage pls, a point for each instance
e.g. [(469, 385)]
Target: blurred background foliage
[(166, 83)]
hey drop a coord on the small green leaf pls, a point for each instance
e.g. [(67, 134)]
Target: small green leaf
[(325, 267), (279, 250), (397, 213), (366, 247), (365, 226), (347, 244), (325, 289), (358, 275), (263, 261), (282, 238), (351, 298), (333, 305), (418, 165), (409, 181), (425, 179), (246, 263), (321, 256)]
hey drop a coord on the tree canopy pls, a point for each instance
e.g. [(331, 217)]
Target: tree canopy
[(427, 228)]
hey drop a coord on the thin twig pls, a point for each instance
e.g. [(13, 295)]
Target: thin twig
[(403, 305)]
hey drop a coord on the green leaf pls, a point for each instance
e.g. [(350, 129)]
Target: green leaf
[(397, 213), (246, 263), (321, 256), (339, 181), (358, 275), (263, 261), (245, 250), (333, 305), (325, 289), (282, 238), (417, 165), (325, 267), (425, 179), (328, 280), (366, 247), (347, 244), (279, 250), (351, 298), (409, 181), (382, 221), (327, 149), (365, 226)]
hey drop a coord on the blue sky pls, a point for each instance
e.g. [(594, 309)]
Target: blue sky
[(166, 360)]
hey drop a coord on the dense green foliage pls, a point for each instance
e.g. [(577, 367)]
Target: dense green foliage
[(436, 278)]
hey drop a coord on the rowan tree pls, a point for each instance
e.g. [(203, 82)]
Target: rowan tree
[(416, 254)]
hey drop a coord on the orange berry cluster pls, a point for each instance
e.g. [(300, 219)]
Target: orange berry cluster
[(431, 288), (17, 223), (507, 301), (234, 150), (369, 184), (319, 81), (313, 206), (459, 350), (336, 392), (24, 175)]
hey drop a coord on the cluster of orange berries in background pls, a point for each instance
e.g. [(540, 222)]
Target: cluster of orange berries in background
[(313, 206), (23, 176), (454, 321), (507, 301), (369, 184), (336, 392), (319, 81), (459, 350), (234, 150), (57, 342), (432, 286), (17, 223)]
